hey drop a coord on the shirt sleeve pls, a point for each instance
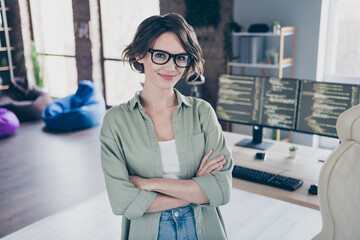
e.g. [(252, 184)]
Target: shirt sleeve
[(125, 198), (216, 185)]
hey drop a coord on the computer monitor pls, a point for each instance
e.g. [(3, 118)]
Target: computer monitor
[(320, 104), (257, 101), (279, 103), (237, 97)]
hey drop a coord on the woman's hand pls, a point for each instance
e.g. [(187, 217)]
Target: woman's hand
[(142, 183), (206, 166)]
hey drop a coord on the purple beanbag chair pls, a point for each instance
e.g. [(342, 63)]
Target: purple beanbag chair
[(8, 122)]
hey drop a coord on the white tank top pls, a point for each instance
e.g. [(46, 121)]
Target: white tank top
[(170, 160)]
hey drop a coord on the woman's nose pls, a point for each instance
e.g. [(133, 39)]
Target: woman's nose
[(170, 64)]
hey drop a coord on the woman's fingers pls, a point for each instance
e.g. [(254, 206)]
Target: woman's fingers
[(214, 164), (219, 168), (213, 161), (200, 171), (205, 158)]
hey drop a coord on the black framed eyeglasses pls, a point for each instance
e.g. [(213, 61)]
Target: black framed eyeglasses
[(160, 57)]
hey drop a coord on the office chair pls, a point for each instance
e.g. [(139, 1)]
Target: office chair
[(339, 182)]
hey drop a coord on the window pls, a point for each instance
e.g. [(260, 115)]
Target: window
[(119, 20), (54, 39), (343, 42), (53, 30)]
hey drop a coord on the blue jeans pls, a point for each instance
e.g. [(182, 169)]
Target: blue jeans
[(177, 224)]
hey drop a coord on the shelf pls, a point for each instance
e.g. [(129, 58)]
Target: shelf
[(266, 34), (3, 49), (6, 68), (7, 46), (3, 29), (282, 62), (4, 87), (260, 65), (286, 31)]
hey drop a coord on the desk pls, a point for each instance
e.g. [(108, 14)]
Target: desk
[(304, 166)]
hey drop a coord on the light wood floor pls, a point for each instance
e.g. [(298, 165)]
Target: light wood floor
[(248, 216), (51, 187)]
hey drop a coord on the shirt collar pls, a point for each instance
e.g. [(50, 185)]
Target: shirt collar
[(181, 100)]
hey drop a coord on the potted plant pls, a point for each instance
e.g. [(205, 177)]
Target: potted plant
[(274, 57), (292, 151), (276, 27), (39, 79)]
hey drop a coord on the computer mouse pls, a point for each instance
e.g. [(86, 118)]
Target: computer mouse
[(260, 156), (313, 190)]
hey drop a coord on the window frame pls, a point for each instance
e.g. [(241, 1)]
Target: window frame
[(327, 75), (103, 59), (45, 54)]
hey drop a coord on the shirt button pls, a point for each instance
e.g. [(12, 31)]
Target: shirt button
[(176, 214)]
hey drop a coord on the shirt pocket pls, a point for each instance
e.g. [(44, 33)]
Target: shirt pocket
[(198, 148), (140, 162)]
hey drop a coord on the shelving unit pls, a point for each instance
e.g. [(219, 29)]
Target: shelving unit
[(283, 62), (6, 63)]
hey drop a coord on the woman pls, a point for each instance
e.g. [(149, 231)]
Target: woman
[(153, 147)]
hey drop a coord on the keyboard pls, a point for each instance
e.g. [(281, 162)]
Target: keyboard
[(266, 178)]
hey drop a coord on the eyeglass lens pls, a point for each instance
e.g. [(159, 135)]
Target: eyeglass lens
[(160, 57)]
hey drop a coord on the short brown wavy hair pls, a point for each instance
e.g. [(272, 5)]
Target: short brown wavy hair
[(151, 28)]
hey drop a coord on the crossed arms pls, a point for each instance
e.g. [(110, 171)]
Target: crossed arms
[(173, 193), (133, 196)]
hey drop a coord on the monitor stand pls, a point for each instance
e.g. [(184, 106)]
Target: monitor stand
[(256, 142)]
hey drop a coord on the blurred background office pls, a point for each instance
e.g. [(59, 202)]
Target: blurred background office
[(48, 47)]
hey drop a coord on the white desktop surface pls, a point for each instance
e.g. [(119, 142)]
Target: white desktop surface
[(304, 166)]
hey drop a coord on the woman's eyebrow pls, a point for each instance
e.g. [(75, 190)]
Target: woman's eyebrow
[(169, 52)]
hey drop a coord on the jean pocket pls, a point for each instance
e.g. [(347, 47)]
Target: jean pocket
[(188, 213), (166, 216)]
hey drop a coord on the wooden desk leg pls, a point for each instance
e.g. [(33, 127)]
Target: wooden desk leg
[(277, 134)]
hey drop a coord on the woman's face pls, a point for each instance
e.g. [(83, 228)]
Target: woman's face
[(167, 75)]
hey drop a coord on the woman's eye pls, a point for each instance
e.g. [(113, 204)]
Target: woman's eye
[(181, 58), (160, 55)]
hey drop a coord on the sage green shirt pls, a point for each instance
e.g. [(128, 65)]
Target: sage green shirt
[(129, 146)]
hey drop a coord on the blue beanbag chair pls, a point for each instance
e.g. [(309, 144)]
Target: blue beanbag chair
[(8, 122), (84, 109)]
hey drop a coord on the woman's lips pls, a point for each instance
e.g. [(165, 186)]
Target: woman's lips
[(167, 77)]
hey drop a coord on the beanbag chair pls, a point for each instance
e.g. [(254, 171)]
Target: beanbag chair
[(8, 122), (84, 109), (26, 102)]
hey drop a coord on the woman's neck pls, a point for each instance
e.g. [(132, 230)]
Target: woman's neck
[(157, 99)]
